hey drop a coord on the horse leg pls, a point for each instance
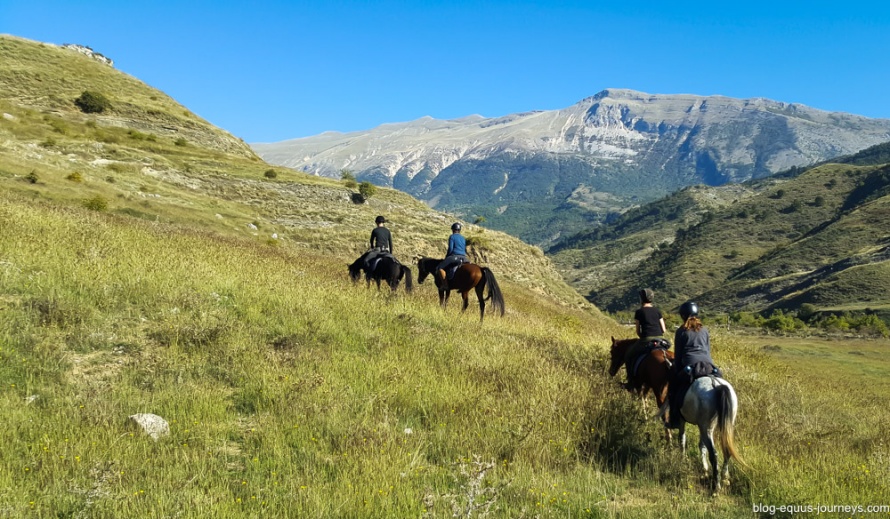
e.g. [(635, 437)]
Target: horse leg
[(465, 295), (644, 390), (682, 436), (709, 453), (724, 473), (480, 288)]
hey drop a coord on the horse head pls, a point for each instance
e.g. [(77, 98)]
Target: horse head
[(425, 268), (355, 270), (619, 348)]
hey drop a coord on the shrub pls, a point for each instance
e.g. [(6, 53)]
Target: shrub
[(92, 102), (31, 177), (270, 173), (367, 190), (781, 322), (348, 179), (807, 311), (180, 142), (75, 177), (96, 203)]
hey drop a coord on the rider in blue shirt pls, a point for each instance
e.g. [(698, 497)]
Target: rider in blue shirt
[(457, 252)]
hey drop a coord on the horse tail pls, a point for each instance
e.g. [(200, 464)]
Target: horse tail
[(409, 285), (726, 411), (494, 291)]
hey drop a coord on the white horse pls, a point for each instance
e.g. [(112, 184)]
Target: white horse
[(711, 403)]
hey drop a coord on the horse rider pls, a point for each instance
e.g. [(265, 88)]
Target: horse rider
[(650, 327), (457, 253), (381, 242), (692, 359)]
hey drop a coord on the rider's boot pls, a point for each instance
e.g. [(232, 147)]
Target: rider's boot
[(444, 279)]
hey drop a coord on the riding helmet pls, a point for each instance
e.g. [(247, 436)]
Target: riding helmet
[(380, 220), (688, 309), (455, 226)]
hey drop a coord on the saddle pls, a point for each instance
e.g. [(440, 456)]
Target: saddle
[(451, 270), (657, 344), (372, 265), (701, 369)]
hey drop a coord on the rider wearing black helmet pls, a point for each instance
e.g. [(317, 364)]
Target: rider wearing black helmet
[(692, 358), (457, 253), (381, 242)]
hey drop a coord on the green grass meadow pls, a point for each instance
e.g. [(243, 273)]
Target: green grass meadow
[(293, 393)]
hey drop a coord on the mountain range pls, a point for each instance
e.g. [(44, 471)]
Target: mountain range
[(815, 235), (545, 174)]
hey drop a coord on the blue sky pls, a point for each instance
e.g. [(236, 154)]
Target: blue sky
[(269, 71)]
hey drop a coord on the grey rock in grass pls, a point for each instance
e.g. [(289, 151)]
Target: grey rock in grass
[(152, 424)]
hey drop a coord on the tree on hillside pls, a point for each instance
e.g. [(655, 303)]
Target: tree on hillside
[(348, 178), (367, 190)]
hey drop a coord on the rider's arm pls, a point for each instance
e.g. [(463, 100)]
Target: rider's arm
[(450, 246)]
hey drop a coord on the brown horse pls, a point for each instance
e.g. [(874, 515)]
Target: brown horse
[(653, 372), (469, 276)]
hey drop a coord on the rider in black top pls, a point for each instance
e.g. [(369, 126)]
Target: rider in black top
[(381, 242), (650, 326), (381, 238)]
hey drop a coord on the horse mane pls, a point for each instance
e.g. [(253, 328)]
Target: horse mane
[(622, 343)]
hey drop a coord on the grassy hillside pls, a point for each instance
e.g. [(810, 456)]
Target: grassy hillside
[(138, 275), (292, 393), (51, 149), (817, 236), (48, 78)]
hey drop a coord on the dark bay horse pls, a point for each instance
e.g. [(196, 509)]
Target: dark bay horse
[(387, 269), (467, 277), (653, 373)]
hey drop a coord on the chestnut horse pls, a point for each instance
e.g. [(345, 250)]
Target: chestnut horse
[(469, 276), (653, 372)]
